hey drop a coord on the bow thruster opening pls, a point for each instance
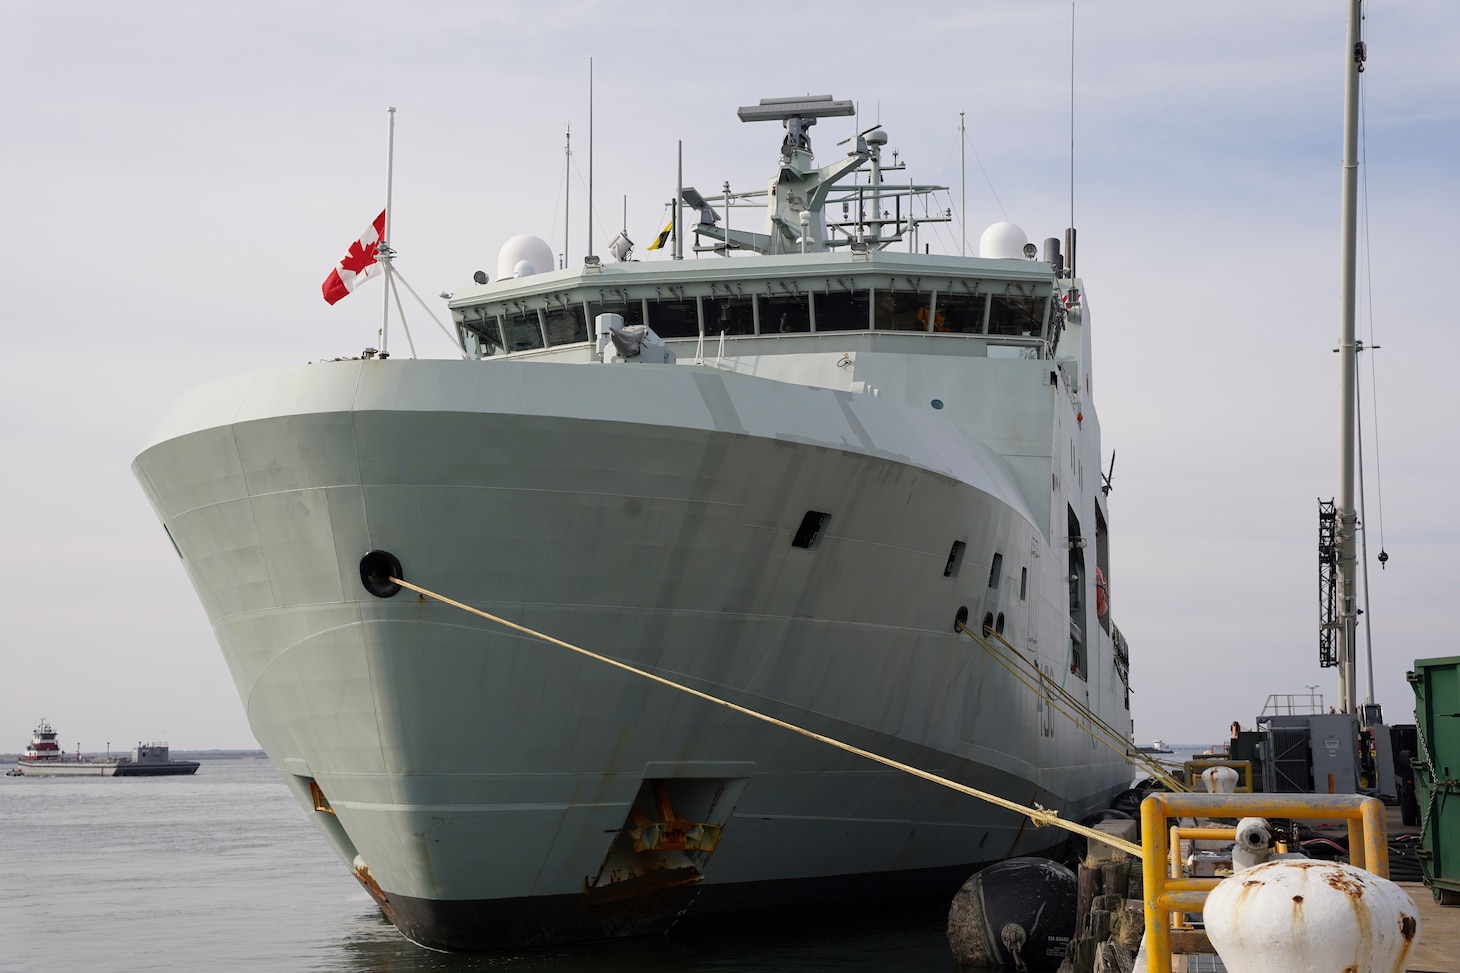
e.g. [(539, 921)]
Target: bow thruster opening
[(376, 570)]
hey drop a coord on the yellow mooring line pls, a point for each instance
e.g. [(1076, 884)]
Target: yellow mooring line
[(1067, 704), (1039, 816)]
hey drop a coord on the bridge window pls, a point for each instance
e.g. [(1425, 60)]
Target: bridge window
[(1016, 316), (632, 310), (960, 313), (675, 318), (843, 311), (901, 311), (523, 330), (785, 314), (565, 325), (481, 335), (729, 315)]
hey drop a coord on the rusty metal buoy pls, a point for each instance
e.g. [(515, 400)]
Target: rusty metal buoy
[(1296, 915)]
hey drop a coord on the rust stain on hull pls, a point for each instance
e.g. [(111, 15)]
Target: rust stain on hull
[(363, 876)]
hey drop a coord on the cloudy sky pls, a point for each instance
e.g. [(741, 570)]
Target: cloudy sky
[(179, 178)]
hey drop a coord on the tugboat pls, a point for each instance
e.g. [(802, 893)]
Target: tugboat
[(45, 758)]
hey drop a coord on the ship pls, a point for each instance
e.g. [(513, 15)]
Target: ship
[(45, 758), (814, 471)]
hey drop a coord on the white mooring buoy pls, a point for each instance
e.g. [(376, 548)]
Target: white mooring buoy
[(1294, 916)]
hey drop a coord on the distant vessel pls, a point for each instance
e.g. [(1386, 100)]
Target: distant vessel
[(44, 758)]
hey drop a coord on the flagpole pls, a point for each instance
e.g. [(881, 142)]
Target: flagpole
[(384, 251)]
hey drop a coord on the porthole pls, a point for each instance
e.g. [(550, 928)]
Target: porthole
[(937, 403)]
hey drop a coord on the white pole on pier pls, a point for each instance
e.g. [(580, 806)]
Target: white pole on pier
[(1348, 354), (1364, 550)]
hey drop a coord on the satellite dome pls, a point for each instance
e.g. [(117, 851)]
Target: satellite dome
[(1002, 241), (877, 137), (523, 256)]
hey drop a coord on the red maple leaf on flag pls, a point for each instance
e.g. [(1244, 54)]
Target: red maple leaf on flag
[(358, 263), (360, 256)]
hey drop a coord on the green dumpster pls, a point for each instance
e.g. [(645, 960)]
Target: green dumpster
[(1436, 685)]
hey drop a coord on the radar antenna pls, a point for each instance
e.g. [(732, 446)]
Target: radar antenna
[(797, 115)]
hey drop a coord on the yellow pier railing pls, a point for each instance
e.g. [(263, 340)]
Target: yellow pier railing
[(1169, 895)]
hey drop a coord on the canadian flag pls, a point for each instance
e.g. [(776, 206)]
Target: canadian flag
[(357, 265)]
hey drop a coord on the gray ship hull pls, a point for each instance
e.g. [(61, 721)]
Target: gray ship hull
[(485, 785), (172, 768)]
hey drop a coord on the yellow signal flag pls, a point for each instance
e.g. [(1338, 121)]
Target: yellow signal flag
[(662, 238)]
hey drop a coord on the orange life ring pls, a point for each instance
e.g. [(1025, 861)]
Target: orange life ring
[(1102, 594)]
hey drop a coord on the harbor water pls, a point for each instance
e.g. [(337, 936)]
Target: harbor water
[(223, 871)]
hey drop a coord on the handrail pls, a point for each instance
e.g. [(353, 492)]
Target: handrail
[(1165, 895), (1067, 704)]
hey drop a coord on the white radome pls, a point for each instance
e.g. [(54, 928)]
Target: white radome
[(1003, 240), (523, 256)]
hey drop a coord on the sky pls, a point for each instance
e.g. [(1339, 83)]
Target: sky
[(178, 179)]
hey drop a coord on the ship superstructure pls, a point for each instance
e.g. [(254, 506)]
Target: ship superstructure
[(784, 478)]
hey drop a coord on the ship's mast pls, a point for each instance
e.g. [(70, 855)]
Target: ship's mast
[(567, 190), (383, 249), (1348, 354)]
